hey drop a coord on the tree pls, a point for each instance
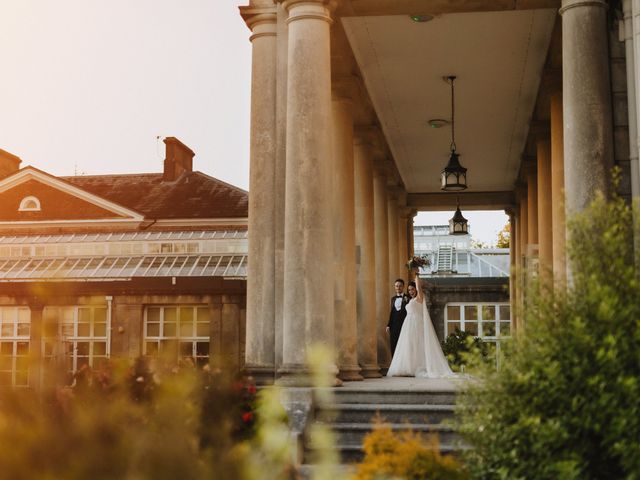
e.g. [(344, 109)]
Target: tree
[(566, 401), (504, 237)]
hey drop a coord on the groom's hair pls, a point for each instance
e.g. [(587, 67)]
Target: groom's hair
[(399, 280)]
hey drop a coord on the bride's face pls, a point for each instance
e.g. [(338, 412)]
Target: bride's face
[(412, 291)]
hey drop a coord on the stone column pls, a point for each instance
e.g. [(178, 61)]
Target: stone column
[(557, 189), (588, 137), (260, 339), (545, 238), (403, 250), (522, 239), (365, 259), (281, 166), (383, 289), (513, 255), (394, 253), (344, 238), (532, 205), (308, 263)]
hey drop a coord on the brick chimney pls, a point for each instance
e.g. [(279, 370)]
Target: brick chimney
[(178, 159), (9, 163)]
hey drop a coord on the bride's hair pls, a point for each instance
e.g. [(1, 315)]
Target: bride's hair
[(412, 284)]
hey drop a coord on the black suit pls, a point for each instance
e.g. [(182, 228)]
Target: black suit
[(396, 319)]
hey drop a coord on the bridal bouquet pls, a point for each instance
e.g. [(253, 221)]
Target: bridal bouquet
[(418, 262)]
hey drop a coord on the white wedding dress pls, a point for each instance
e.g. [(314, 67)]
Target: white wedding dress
[(418, 352)]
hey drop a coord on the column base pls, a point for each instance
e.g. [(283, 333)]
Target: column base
[(262, 375), (350, 373), (370, 371), (300, 376)]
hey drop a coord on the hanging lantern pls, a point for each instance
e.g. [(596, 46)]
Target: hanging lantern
[(454, 175), (458, 225)]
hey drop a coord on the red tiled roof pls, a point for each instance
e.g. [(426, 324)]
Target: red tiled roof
[(192, 195)]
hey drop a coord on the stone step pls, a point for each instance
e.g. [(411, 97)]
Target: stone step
[(407, 397), (354, 433), (390, 412)]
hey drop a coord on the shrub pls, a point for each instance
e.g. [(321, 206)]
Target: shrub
[(405, 455), (566, 403), (460, 347), (134, 423)]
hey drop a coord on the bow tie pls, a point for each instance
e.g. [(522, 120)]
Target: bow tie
[(399, 296)]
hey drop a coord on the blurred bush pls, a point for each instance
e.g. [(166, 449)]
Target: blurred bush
[(405, 455), (566, 401)]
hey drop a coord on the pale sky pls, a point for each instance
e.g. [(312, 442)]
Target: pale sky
[(87, 86)]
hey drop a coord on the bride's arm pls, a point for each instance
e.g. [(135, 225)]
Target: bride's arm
[(419, 296)]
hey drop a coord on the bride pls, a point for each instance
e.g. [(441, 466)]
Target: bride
[(418, 353)]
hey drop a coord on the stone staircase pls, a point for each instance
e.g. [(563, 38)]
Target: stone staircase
[(352, 412)]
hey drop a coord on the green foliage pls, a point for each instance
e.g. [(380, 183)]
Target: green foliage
[(504, 237), (462, 348), (405, 455), (566, 404)]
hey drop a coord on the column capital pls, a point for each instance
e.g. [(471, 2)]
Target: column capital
[(309, 9), (260, 16), (569, 4)]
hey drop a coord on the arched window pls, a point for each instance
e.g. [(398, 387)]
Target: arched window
[(29, 204)]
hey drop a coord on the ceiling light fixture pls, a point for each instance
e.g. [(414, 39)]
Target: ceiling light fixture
[(421, 18), (454, 175)]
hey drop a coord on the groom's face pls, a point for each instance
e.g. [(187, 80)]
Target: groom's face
[(399, 286)]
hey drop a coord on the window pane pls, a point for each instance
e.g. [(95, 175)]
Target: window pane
[(471, 327), (489, 329), (203, 330), (170, 314), (452, 327), (82, 349), (84, 329), (23, 329), (100, 330), (186, 329), (23, 315), (7, 330), (6, 348), (202, 349), (488, 312), (153, 329), (471, 312), (505, 312), (22, 348), (84, 315), (100, 315), (100, 348), (505, 329), (153, 314), (169, 329), (186, 315), (453, 312)]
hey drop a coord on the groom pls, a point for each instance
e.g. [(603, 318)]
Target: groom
[(398, 312)]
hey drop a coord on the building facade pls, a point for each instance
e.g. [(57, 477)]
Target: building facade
[(93, 267), (344, 95)]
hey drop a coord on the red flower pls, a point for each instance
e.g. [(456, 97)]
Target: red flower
[(251, 389), (247, 417)]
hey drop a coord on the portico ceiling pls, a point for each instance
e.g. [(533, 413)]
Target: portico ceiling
[(498, 59)]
